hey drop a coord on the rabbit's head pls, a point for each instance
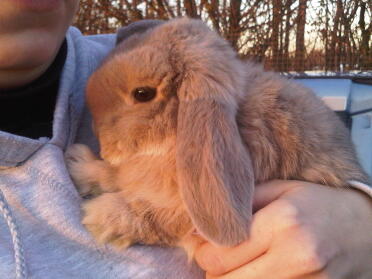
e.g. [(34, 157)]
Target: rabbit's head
[(179, 83)]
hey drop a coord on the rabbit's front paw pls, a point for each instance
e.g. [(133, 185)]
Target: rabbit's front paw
[(84, 169), (109, 220)]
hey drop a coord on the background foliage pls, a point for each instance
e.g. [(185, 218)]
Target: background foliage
[(287, 35)]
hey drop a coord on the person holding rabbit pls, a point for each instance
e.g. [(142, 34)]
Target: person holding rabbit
[(297, 231)]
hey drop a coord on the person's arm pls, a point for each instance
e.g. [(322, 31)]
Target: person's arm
[(301, 230)]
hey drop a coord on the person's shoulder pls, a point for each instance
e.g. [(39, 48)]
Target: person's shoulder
[(94, 45), (106, 39)]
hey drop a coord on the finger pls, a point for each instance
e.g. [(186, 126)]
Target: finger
[(218, 260), (269, 265), (270, 191), (263, 267)]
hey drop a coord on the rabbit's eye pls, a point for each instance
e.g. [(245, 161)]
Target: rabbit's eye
[(144, 94)]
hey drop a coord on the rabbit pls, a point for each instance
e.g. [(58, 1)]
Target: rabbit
[(186, 130)]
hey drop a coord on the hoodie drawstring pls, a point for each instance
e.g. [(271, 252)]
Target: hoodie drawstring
[(21, 271)]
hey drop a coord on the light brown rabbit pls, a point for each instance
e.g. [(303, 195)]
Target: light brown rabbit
[(186, 130)]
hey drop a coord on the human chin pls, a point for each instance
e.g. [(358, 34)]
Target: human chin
[(27, 50)]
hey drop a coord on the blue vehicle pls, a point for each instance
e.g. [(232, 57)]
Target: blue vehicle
[(351, 98)]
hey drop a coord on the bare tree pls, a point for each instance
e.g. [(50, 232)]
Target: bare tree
[(287, 30), (190, 8), (277, 17), (268, 31), (365, 47), (234, 29), (300, 37)]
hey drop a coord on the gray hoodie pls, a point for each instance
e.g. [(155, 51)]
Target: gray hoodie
[(41, 235)]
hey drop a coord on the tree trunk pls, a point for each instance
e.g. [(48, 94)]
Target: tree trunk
[(275, 33), (286, 36), (234, 20), (365, 51), (300, 37), (334, 38), (213, 13), (190, 7)]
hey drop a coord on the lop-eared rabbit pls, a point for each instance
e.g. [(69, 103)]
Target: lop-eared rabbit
[(186, 130)]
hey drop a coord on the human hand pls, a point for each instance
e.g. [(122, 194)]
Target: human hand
[(300, 230)]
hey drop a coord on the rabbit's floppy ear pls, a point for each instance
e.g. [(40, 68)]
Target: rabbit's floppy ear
[(136, 27), (214, 170)]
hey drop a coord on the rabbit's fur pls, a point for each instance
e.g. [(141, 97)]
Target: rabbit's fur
[(188, 159)]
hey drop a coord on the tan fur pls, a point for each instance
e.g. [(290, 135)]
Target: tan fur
[(190, 157)]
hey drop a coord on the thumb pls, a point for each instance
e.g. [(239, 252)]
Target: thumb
[(270, 191)]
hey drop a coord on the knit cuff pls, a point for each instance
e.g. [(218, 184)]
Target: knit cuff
[(362, 187)]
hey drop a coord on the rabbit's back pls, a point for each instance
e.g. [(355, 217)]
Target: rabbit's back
[(292, 134)]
